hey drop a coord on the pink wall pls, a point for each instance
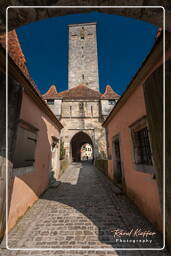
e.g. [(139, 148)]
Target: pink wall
[(139, 186), (27, 187)]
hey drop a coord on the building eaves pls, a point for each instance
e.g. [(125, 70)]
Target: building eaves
[(18, 70)]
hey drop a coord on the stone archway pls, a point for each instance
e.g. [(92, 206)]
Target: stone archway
[(22, 16), (19, 17), (77, 141)]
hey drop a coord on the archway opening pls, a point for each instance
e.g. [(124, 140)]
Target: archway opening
[(79, 141)]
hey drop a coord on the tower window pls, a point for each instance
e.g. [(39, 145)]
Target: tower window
[(91, 110), (70, 110), (50, 102), (82, 33), (111, 102), (81, 107), (83, 76)]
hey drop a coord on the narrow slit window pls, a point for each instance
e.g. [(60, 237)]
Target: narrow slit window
[(82, 33), (70, 110), (91, 110)]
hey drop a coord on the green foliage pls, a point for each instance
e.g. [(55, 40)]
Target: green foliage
[(62, 150)]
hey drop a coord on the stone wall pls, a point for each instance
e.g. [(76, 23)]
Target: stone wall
[(86, 121), (19, 17)]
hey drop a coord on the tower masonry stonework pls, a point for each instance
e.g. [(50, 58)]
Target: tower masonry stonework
[(82, 108), (83, 58)]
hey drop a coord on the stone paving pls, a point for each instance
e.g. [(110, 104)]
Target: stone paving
[(82, 213)]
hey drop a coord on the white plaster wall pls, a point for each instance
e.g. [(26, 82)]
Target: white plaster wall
[(106, 107), (56, 108)]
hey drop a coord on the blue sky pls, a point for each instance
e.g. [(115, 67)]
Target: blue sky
[(123, 43)]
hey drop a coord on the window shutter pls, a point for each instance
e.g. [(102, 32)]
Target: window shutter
[(25, 148)]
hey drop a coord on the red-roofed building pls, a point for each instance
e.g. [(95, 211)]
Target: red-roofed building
[(33, 135), (82, 109)]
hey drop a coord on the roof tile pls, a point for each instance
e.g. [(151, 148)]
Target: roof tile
[(78, 92), (16, 53)]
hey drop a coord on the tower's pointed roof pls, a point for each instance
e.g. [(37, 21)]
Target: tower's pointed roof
[(51, 93), (109, 93)]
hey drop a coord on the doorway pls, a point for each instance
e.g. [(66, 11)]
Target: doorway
[(117, 165)]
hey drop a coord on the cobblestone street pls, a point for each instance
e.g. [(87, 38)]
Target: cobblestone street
[(82, 212)]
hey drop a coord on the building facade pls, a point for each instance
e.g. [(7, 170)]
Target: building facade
[(132, 143), (82, 108), (34, 132), (86, 152)]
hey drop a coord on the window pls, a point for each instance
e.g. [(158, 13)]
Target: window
[(70, 109), (81, 107), (83, 76), (91, 110), (82, 36), (141, 146), (111, 102), (24, 155), (50, 102)]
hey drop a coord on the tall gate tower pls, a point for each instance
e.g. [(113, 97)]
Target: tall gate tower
[(83, 59)]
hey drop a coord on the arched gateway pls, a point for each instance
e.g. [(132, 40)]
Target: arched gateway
[(77, 141)]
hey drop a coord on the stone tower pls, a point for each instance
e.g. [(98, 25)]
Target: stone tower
[(83, 61)]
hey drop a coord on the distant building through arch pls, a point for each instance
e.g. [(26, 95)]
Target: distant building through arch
[(77, 141)]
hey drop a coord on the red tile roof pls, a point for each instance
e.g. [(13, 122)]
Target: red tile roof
[(79, 92), (15, 52), (109, 93)]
